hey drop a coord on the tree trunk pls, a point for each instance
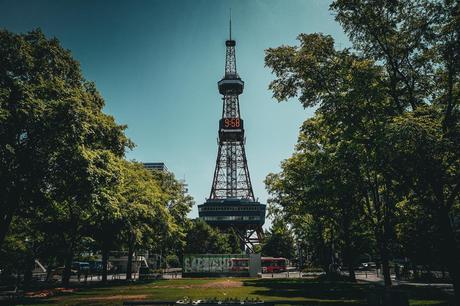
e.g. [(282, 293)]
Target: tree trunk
[(321, 249), (381, 230), (49, 270), (385, 262), (382, 245), (129, 266), (105, 260), (67, 267), (5, 225), (29, 266), (349, 254), (450, 250), (351, 272)]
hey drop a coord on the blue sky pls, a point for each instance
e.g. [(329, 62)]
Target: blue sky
[(157, 64)]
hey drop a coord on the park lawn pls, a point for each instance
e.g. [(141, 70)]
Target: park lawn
[(311, 291), (426, 303)]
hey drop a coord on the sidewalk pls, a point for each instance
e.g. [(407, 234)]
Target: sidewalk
[(372, 277)]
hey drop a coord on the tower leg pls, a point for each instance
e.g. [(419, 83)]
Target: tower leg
[(249, 238)]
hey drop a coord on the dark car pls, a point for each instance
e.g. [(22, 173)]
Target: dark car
[(81, 266), (367, 266), (95, 266)]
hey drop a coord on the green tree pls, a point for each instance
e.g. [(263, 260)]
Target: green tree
[(144, 213), (417, 234), (319, 193), (52, 130), (395, 105), (418, 44), (278, 241), (179, 203), (21, 247), (428, 167), (105, 224), (342, 145), (172, 261), (201, 238)]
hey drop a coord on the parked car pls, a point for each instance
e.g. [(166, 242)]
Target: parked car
[(81, 266), (367, 265), (95, 266)]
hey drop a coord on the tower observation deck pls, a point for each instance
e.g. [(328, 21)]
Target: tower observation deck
[(231, 204)]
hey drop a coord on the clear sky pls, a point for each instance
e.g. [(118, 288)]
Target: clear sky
[(157, 64)]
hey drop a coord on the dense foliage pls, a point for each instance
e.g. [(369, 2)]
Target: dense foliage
[(278, 241), (201, 238), (376, 171), (65, 187)]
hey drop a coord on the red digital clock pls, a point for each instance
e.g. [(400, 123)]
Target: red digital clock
[(231, 123), (231, 129)]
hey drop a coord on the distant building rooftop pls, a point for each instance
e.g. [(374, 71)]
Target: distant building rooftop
[(156, 166)]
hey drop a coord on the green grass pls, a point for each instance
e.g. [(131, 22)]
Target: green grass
[(427, 303), (312, 292)]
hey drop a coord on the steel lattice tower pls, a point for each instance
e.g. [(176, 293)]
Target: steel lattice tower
[(231, 175), (231, 203)]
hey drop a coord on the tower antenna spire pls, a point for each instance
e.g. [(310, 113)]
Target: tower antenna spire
[(230, 28)]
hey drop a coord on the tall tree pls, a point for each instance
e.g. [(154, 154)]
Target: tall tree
[(51, 128), (278, 241), (178, 203), (396, 104), (202, 239), (352, 114), (105, 223), (418, 43), (144, 214), (318, 185)]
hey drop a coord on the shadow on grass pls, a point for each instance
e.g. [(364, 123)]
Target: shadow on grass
[(334, 293), (425, 293), (313, 289)]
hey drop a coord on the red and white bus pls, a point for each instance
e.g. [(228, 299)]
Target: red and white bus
[(274, 264), (269, 264), (239, 264)]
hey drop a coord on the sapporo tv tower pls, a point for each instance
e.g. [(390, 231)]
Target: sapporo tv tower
[(231, 205)]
